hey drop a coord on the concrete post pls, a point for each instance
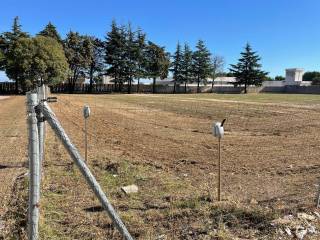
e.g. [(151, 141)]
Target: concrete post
[(78, 159), (34, 167)]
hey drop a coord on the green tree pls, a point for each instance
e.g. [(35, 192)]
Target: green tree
[(96, 63), (78, 54), (217, 68), (19, 62), (279, 78), (141, 56), (115, 50), (50, 31), (177, 67), (201, 63), (187, 67), (309, 76), (8, 44), (131, 56), (248, 69), (316, 80), (49, 63), (157, 63), (36, 60), (2, 55)]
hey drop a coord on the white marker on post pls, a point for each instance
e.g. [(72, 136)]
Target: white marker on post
[(218, 132), (86, 115)]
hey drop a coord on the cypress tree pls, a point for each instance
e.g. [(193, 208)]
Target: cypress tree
[(141, 56), (248, 69), (177, 68), (50, 31), (187, 70), (115, 54), (201, 63), (131, 56), (9, 62)]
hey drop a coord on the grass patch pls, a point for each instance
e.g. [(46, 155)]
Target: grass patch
[(234, 216)]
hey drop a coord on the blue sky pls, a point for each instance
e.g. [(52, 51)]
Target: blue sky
[(285, 33)]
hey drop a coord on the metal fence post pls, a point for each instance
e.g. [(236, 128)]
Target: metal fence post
[(318, 197), (41, 123), (78, 159), (34, 167)]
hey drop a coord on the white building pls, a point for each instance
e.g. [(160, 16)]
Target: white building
[(294, 76)]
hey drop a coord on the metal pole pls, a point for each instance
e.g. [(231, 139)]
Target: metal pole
[(77, 158), (41, 124), (86, 140), (219, 170), (318, 200), (34, 168)]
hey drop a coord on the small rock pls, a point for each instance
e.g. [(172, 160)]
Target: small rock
[(253, 201), (300, 234), (288, 217), (312, 230), (288, 231), (130, 189), (280, 231), (161, 237), (317, 214), (306, 216)]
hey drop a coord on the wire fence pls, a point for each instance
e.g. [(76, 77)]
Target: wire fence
[(38, 110), (48, 115)]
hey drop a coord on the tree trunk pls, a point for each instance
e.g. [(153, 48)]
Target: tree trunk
[(198, 88), (154, 85), (16, 83), (174, 87), (213, 78), (91, 80), (245, 88), (185, 87), (138, 87), (129, 85), (70, 84), (120, 86)]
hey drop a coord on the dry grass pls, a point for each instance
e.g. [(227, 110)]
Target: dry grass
[(163, 144)]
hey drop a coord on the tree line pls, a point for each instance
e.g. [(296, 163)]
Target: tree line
[(125, 55)]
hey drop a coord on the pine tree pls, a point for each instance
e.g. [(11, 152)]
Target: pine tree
[(187, 69), (177, 67), (201, 63), (141, 56), (131, 56), (50, 31), (115, 51), (10, 63), (248, 69)]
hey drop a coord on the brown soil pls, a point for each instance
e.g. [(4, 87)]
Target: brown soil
[(164, 145)]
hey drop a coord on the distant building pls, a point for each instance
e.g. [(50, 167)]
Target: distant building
[(294, 76), (107, 79), (223, 81)]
